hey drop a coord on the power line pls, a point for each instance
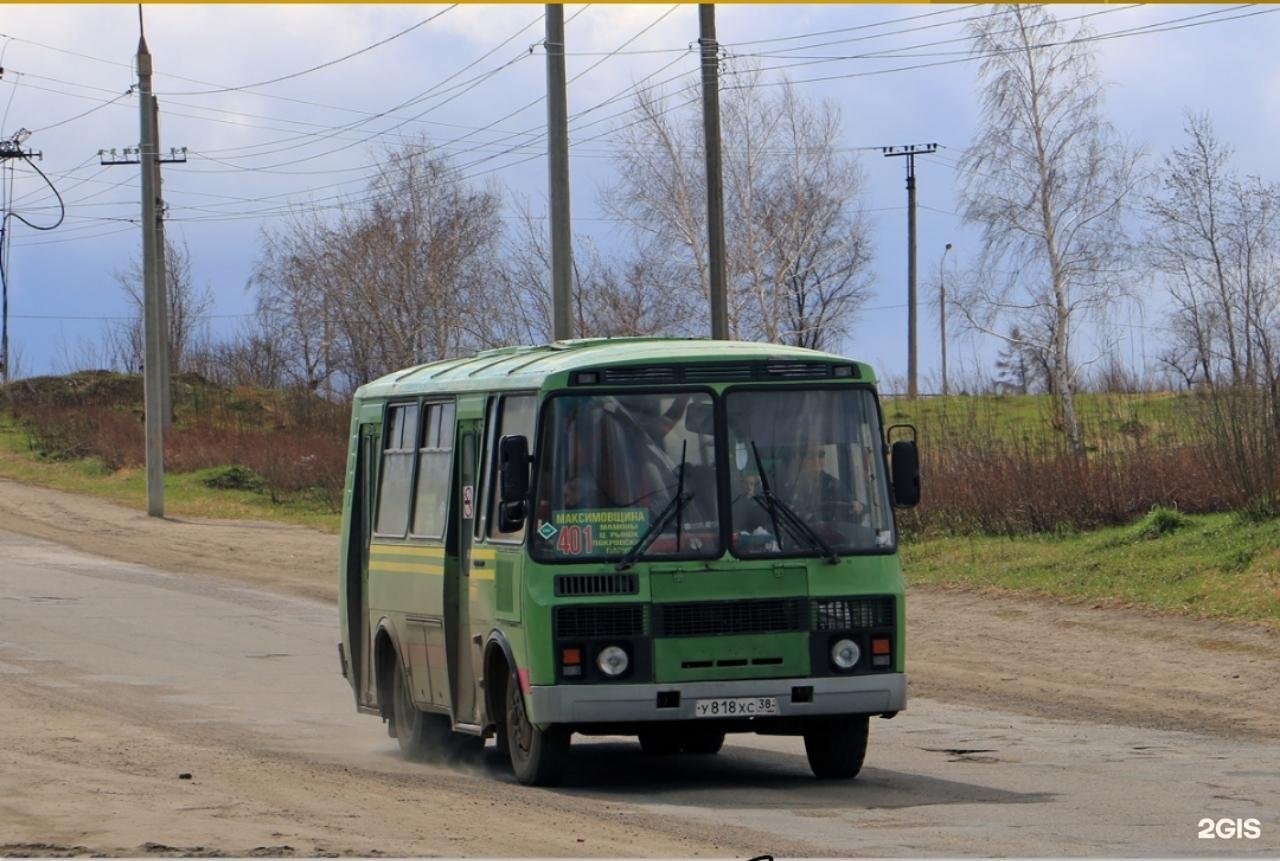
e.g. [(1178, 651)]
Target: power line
[(366, 49), (1169, 25)]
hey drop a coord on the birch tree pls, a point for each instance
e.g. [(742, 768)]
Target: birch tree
[(1046, 182)]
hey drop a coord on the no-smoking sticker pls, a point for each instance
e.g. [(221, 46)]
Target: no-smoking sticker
[(468, 502)]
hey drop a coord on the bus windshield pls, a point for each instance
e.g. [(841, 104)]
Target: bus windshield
[(622, 472), (806, 475)]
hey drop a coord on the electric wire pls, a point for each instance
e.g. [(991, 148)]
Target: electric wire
[(315, 68)]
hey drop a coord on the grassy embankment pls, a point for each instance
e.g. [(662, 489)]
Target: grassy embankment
[(1211, 565), (83, 434), (1214, 565)]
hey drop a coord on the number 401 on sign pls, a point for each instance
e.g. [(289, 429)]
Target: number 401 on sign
[(574, 540)]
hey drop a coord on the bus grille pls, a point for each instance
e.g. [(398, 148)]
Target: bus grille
[(575, 585), (579, 622), (842, 614), (730, 617), (719, 372), (634, 375), (712, 372), (797, 370)]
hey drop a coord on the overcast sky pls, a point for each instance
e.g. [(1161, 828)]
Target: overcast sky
[(472, 78)]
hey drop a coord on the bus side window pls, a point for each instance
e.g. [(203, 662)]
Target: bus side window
[(431, 499), (397, 469), (517, 415)]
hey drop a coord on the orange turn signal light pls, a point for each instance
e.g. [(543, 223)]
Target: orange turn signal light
[(571, 657), (880, 646)]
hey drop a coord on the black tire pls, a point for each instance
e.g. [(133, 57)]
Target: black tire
[(660, 742), (703, 742), (538, 756), (837, 747), (420, 735)]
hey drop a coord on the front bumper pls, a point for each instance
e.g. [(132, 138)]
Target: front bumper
[(610, 703)]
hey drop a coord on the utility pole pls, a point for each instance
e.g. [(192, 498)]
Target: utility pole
[(162, 278), (558, 176), (9, 149), (911, 151), (942, 313), (710, 51), (155, 339), (155, 327)]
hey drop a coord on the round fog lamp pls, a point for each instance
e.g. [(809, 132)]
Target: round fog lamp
[(613, 661), (845, 654)]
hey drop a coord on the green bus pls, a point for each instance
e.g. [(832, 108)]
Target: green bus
[(670, 539)]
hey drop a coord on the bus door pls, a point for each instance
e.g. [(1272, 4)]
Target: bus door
[(462, 680), (357, 585)]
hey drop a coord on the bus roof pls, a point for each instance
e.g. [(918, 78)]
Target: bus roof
[(527, 367)]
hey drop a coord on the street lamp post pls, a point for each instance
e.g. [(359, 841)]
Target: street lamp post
[(942, 313)]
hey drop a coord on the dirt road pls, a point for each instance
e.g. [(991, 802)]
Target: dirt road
[(116, 679)]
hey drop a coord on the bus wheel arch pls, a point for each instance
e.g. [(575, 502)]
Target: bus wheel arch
[(386, 654), (499, 664)]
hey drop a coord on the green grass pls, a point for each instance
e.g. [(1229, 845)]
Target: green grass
[(1106, 419), (186, 494), (1216, 565)]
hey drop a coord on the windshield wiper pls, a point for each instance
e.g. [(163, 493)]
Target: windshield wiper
[(782, 514), (674, 508)]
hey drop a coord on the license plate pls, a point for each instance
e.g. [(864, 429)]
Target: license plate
[(729, 707)]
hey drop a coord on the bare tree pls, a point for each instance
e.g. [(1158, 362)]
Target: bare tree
[(612, 299), (406, 274), (798, 249), (1046, 182), (188, 306), (1214, 237)]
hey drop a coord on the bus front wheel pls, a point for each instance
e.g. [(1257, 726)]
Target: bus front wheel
[(836, 747), (538, 756)]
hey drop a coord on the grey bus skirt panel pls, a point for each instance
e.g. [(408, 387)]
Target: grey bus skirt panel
[(879, 693)]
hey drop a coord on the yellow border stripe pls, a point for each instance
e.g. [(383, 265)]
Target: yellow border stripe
[(407, 567), (405, 550), (483, 553)]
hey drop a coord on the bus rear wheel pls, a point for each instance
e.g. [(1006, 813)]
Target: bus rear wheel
[(420, 735), (664, 742), (836, 747), (538, 756), (703, 742)]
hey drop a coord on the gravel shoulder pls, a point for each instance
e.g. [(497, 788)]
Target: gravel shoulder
[(1011, 653)]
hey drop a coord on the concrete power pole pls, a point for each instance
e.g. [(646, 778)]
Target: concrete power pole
[(942, 314), (155, 304), (911, 152), (715, 182), (162, 278), (558, 177), (155, 338)]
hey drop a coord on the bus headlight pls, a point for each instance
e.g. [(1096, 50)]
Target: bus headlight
[(613, 661), (845, 654)]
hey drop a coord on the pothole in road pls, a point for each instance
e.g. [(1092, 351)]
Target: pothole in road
[(965, 754)]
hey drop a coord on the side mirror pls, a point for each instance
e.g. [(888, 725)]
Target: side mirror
[(906, 473), (513, 482), (513, 467), (512, 515)]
